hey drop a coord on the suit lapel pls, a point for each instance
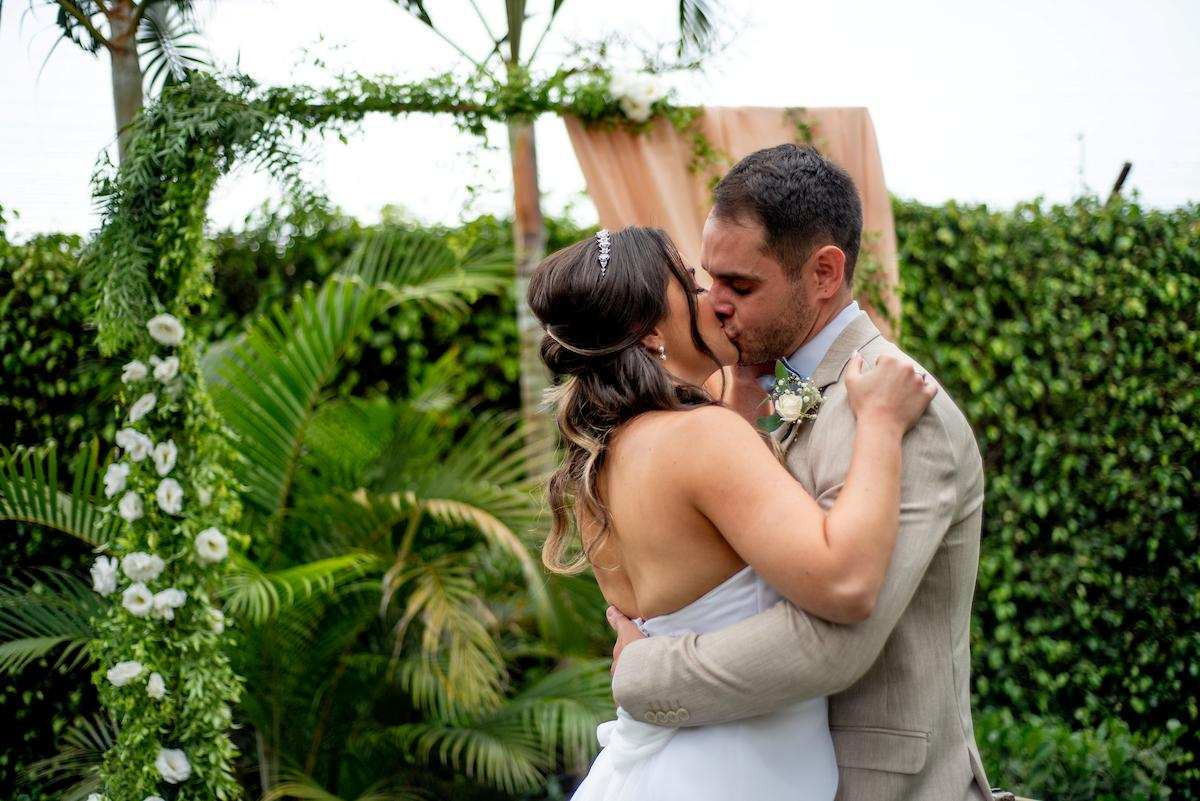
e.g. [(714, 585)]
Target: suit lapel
[(855, 336)]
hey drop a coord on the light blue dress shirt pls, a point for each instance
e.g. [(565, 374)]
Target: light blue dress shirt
[(808, 356)]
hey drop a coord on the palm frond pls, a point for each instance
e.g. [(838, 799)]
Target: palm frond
[(305, 788), (79, 758), (257, 596), (51, 610), (169, 46), (564, 707), (456, 642), (268, 384), (498, 752), (30, 491), (696, 19), (412, 266)]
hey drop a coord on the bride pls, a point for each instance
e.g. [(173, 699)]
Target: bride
[(686, 517)]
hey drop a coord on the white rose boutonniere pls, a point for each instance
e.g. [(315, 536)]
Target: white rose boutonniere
[(794, 398)]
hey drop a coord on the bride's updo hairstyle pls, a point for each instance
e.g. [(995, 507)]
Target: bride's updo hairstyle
[(595, 316)]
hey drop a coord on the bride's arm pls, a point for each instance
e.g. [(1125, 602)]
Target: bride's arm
[(830, 564)]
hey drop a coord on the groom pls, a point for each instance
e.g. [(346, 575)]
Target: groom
[(781, 244)]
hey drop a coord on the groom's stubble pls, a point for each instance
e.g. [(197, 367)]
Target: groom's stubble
[(793, 324)]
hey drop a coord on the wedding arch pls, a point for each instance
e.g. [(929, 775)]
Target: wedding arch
[(177, 516)]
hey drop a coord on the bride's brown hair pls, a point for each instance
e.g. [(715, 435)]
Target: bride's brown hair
[(594, 321)]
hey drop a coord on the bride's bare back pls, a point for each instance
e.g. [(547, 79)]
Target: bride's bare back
[(661, 552)]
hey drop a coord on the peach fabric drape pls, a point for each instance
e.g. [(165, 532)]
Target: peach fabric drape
[(645, 178)]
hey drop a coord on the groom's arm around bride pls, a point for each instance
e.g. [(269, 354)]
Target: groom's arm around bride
[(899, 682)]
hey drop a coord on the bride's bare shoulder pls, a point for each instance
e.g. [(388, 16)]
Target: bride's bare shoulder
[(690, 429)]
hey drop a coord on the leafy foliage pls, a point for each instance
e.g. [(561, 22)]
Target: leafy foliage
[(1069, 336)]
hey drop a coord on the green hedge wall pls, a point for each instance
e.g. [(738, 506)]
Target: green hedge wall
[(53, 387), (1069, 337)]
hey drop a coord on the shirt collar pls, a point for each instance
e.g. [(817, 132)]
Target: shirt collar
[(806, 358)]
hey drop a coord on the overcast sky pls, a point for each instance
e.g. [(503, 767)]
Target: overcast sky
[(975, 101)]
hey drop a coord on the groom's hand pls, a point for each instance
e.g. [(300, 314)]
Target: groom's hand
[(626, 633)]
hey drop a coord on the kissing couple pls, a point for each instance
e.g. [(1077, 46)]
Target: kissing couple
[(792, 609)]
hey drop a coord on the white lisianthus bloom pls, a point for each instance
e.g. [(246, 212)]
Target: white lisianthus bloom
[(173, 765), (156, 688), (95, 797), (211, 546), (142, 566), (152, 798), (165, 369), (166, 329), (164, 456), (104, 575), (133, 371), (138, 600), (204, 495), (169, 496), (167, 601), (130, 506), (122, 673), (789, 407), (141, 407), (114, 478), (216, 620), (137, 446)]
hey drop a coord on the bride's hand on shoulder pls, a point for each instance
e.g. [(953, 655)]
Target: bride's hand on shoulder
[(893, 391)]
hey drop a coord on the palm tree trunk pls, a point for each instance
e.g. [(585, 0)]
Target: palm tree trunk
[(126, 70), (529, 239)]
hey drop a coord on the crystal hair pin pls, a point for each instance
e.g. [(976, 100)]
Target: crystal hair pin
[(605, 246)]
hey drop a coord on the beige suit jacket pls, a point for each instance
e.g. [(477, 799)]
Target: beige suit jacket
[(898, 683)]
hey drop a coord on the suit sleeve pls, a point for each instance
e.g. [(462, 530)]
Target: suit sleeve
[(783, 654)]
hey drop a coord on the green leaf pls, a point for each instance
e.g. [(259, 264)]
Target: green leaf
[(769, 424)]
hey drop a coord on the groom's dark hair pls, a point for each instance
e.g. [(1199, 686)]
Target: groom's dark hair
[(801, 199)]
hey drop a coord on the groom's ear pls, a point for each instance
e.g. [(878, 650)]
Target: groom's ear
[(828, 270)]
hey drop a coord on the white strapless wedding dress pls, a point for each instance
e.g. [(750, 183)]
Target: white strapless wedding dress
[(787, 755)]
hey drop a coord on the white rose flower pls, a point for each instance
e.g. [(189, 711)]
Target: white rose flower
[(164, 456), (130, 506), (137, 446), (133, 371), (114, 478), (156, 688), (173, 765), (142, 566), (167, 601), (166, 329), (138, 599), (635, 109), (165, 369), (169, 496), (211, 546), (216, 620), (141, 407), (790, 407), (104, 575), (122, 673)]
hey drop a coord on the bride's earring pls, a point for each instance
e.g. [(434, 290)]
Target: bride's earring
[(662, 352)]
